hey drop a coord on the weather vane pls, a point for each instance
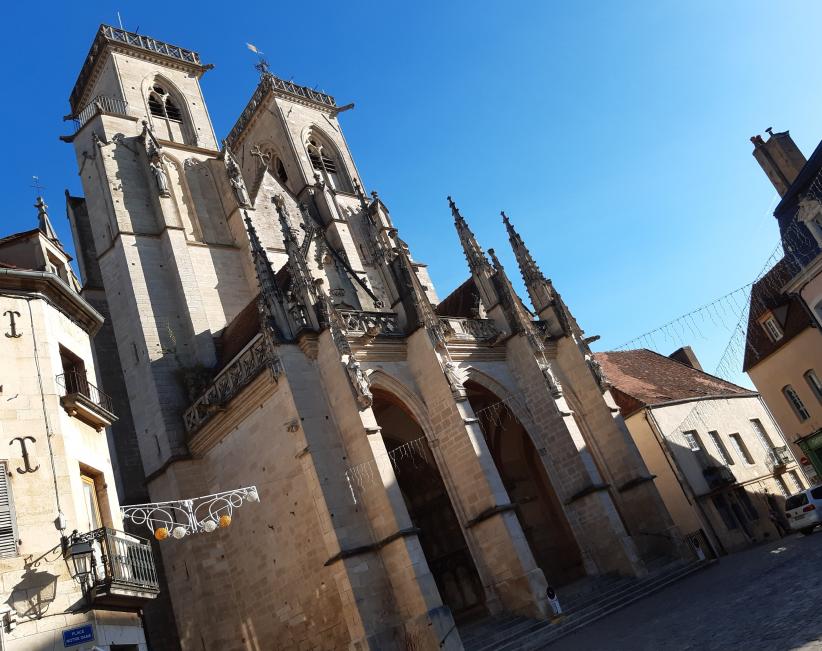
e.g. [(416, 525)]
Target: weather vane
[(36, 185), (262, 65)]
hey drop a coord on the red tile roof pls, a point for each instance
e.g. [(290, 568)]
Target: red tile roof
[(644, 378), (767, 295)]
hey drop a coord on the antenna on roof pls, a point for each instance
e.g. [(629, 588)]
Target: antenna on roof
[(120, 20), (262, 65)]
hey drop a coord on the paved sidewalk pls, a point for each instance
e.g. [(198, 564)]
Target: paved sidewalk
[(768, 598)]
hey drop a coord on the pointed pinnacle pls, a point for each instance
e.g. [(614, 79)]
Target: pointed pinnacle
[(455, 212)]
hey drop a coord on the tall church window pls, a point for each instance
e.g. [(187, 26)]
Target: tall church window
[(162, 105), (326, 162)]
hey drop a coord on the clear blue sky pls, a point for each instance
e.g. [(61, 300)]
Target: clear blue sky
[(615, 135)]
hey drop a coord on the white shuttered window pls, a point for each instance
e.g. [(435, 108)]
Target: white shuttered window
[(8, 522)]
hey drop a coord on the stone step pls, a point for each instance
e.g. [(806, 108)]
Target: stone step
[(548, 633), (523, 634)]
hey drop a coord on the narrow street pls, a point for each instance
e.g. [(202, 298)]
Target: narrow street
[(769, 597)]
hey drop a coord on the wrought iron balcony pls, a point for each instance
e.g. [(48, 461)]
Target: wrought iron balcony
[(232, 379), (118, 570), (718, 477), (81, 399), (778, 458), (100, 104), (469, 329)]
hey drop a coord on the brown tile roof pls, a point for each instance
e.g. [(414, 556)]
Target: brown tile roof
[(767, 295), (17, 236), (644, 378), (234, 337), (461, 302)]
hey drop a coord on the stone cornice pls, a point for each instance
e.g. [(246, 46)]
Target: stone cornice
[(54, 290)]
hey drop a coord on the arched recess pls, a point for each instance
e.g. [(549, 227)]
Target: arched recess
[(181, 192), (167, 110), (426, 497), (270, 156), (326, 159), (539, 509)]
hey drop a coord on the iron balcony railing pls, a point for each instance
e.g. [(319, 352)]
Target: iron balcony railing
[(718, 477), (100, 104), (120, 561), (778, 457), (76, 383)]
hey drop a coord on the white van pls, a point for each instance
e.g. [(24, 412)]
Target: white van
[(804, 510)]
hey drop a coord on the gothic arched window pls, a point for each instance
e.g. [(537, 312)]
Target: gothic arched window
[(325, 161), (162, 105)]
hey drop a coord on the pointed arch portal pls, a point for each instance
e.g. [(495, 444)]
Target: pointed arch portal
[(539, 509), (429, 505)]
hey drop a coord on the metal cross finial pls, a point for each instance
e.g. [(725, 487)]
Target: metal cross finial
[(262, 65)]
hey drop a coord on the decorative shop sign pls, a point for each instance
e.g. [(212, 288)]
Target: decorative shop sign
[(79, 635)]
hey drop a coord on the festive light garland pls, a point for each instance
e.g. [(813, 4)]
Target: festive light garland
[(181, 518)]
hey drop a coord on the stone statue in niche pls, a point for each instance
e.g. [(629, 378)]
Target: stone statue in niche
[(235, 177), (454, 379), (360, 383), (160, 177), (597, 371)]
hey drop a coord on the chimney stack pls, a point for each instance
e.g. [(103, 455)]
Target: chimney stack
[(779, 157), (687, 356)]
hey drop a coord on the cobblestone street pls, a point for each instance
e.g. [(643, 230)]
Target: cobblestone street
[(769, 597)]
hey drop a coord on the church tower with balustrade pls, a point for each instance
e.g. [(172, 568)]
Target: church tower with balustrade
[(419, 461)]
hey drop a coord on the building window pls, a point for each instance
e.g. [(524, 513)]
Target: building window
[(745, 500), (90, 517), (741, 449), (74, 372), (325, 161), (721, 505), (162, 105), (8, 521), (814, 383), (782, 486), (692, 439), (721, 450), (796, 402), (762, 435), (772, 328), (797, 483)]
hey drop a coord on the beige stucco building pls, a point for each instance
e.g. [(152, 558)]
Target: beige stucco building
[(419, 461), (783, 350), (57, 486), (720, 460)]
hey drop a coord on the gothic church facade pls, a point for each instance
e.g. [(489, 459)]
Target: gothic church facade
[(419, 461)]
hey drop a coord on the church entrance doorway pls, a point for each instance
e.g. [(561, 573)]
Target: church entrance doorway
[(539, 510), (430, 508)]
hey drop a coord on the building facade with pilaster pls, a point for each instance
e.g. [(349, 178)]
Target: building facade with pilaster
[(419, 461), (70, 576)]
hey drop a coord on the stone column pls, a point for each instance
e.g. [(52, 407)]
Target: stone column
[(506, 566)]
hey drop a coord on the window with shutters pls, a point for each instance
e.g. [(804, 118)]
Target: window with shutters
[(8, 521), (326, 162), (795, 402)]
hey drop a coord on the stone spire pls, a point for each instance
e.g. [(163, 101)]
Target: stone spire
[(271, 299), (480, 268), (44, 223), (539, 288), (546, 300)]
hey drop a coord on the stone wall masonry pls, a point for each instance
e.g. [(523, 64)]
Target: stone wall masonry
[(603, 541), (420, 613), (504, 561), (641, 507)]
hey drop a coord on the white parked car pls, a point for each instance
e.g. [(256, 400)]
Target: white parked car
[(804, 510)]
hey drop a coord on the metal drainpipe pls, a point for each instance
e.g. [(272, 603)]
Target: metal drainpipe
[(686, 490)]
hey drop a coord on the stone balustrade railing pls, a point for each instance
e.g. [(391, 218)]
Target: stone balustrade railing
[(464, 328), (371, 323)]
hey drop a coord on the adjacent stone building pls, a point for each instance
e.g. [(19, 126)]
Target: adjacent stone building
[(720, 460), (419, 461), (70, 577), (783, 351)]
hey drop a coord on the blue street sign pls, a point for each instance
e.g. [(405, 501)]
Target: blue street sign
[(75, 636)]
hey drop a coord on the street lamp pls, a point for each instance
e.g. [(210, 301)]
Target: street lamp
[(79, 557)]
